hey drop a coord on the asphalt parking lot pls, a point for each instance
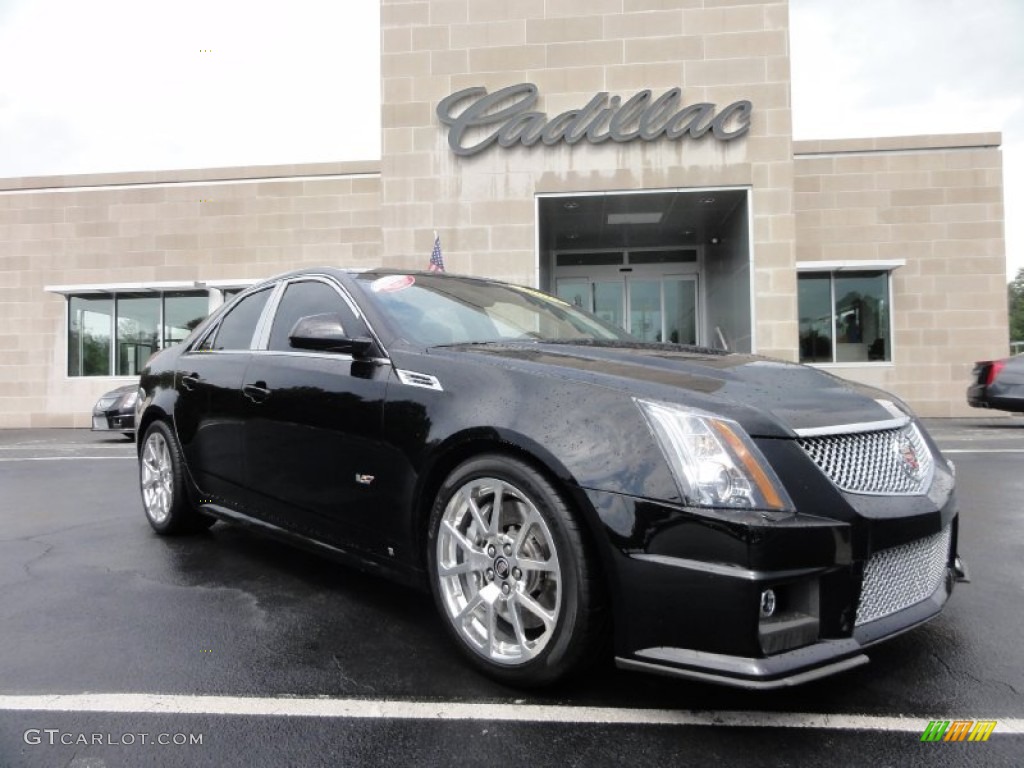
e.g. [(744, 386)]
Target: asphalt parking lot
[(236, 650)]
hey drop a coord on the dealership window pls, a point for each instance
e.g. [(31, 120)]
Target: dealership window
[(845, 316), (89, 331), (115, 333)]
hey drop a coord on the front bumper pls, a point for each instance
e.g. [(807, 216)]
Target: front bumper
[(113, 420), (688, 587), (802, 665)]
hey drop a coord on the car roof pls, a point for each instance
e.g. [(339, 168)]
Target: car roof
[(351, 272)]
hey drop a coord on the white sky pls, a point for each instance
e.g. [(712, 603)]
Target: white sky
[(112, 85)]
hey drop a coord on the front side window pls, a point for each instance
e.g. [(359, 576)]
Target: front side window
[(844, 317), (238, 326), (301, 299)]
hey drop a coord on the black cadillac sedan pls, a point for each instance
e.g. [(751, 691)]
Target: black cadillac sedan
[(553, 482)]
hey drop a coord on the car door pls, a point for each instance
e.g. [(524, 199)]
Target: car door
[(209, 409), (313, 426)]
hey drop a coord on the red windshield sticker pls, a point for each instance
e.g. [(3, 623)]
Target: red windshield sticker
[(392, 283)]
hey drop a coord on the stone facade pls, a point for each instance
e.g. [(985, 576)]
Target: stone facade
[(932, 203), (180, 227), (483, 206), (937, 203)]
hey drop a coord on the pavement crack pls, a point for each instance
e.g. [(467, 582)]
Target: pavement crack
[(973, 678), (349, 680), (91, 524), (27, 565)]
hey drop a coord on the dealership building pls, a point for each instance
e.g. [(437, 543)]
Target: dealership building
[(634, 157)]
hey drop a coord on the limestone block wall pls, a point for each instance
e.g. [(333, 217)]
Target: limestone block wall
[(147, 227), (483, 206), (937, 202)]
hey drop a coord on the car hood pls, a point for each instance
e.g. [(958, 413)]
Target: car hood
[(770, 398)]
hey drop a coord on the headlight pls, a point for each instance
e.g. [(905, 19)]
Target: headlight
[(713, 460), (140, 400), (130, 399)]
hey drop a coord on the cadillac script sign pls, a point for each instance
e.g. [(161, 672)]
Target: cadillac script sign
[(477, 119)]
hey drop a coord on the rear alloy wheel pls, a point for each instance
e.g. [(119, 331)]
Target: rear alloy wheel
[(162, 482), (511, 573)]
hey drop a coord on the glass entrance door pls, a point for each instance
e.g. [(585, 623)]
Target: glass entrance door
[(662, 308)]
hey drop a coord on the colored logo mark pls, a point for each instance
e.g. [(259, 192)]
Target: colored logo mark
[(958, 730)]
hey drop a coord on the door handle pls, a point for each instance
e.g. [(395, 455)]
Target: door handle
[(190, 380), (257, 392)]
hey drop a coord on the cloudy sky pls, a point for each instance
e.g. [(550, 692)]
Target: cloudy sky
[(110, 85)]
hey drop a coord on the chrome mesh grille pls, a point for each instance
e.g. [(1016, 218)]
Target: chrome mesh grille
[(899, 577), (889, 461)]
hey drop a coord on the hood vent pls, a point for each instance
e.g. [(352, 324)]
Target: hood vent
[(414, 379)]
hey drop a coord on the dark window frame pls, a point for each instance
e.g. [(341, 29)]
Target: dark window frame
[(880, 351)]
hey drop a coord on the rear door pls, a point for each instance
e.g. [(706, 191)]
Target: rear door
[(313, 426), (210, 407)]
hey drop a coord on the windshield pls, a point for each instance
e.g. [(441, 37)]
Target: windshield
[(432, 310)]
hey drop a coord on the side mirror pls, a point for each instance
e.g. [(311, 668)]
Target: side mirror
[(324, 333)]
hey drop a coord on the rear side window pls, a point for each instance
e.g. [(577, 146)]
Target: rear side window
[(238, 326), (309, 297)]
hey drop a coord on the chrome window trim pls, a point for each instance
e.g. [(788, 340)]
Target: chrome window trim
[(344, 357), (203, 352), (261, 337)]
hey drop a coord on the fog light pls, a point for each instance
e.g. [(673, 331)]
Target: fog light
[(789, 616)]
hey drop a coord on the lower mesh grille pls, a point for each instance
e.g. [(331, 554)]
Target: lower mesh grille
[(899, 577)]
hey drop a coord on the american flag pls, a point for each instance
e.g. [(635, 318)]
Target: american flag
[(436, 261)]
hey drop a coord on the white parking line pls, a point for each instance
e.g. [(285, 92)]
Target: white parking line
[(982, 450), (68, 458), (158, 704)]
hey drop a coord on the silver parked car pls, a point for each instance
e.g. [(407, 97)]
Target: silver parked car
[(115, 411)]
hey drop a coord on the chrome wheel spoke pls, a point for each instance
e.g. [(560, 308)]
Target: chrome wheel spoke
[(469, 608), (496, 508), (540, 566), (539, 611), (478, 515), (531, 520), (515, 612), (465, 566), (465, 544), (492, 629)]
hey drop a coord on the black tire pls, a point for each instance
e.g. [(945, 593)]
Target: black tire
[(162, 484), (567, 584)]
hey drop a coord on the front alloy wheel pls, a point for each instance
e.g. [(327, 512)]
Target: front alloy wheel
[(511, 573)]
